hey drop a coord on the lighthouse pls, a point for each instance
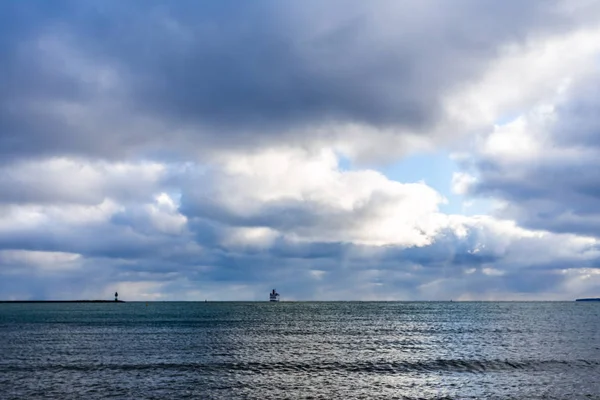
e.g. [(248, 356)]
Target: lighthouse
[(116, 296)]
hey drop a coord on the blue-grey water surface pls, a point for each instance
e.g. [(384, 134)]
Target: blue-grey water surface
[(337, 350)]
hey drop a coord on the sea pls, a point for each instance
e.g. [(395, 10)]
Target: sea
[(300, 350)]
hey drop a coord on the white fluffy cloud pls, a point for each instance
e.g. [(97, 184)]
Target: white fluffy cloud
[(316, 201)]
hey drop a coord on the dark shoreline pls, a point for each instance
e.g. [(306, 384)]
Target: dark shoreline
[(62, 301), (589, 299)]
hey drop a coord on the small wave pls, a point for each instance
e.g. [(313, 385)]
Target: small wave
[(466, 366)]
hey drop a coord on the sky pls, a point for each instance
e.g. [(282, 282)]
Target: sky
[(334, 150)]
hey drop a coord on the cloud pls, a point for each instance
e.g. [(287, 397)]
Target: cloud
[(306, 197), (112, 80), (331, 237), (39, 259), (71, 181), (544, 164), (193, 150)]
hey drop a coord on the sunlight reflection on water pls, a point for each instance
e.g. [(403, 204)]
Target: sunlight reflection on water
[(300, 350)]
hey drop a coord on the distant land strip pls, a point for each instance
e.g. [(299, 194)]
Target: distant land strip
[(62, 301), (589, 299)]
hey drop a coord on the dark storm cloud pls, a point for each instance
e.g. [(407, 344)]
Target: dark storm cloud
[(107, 77)]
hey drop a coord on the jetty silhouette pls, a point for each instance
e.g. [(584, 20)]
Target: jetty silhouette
[(116, 300), (61, 301)]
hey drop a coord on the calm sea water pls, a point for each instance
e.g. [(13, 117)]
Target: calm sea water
[(300, 350)]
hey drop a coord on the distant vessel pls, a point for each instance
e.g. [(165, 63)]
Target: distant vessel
[(273, 296), (589, 299)]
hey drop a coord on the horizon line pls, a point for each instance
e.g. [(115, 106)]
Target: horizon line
[(295, 301)]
